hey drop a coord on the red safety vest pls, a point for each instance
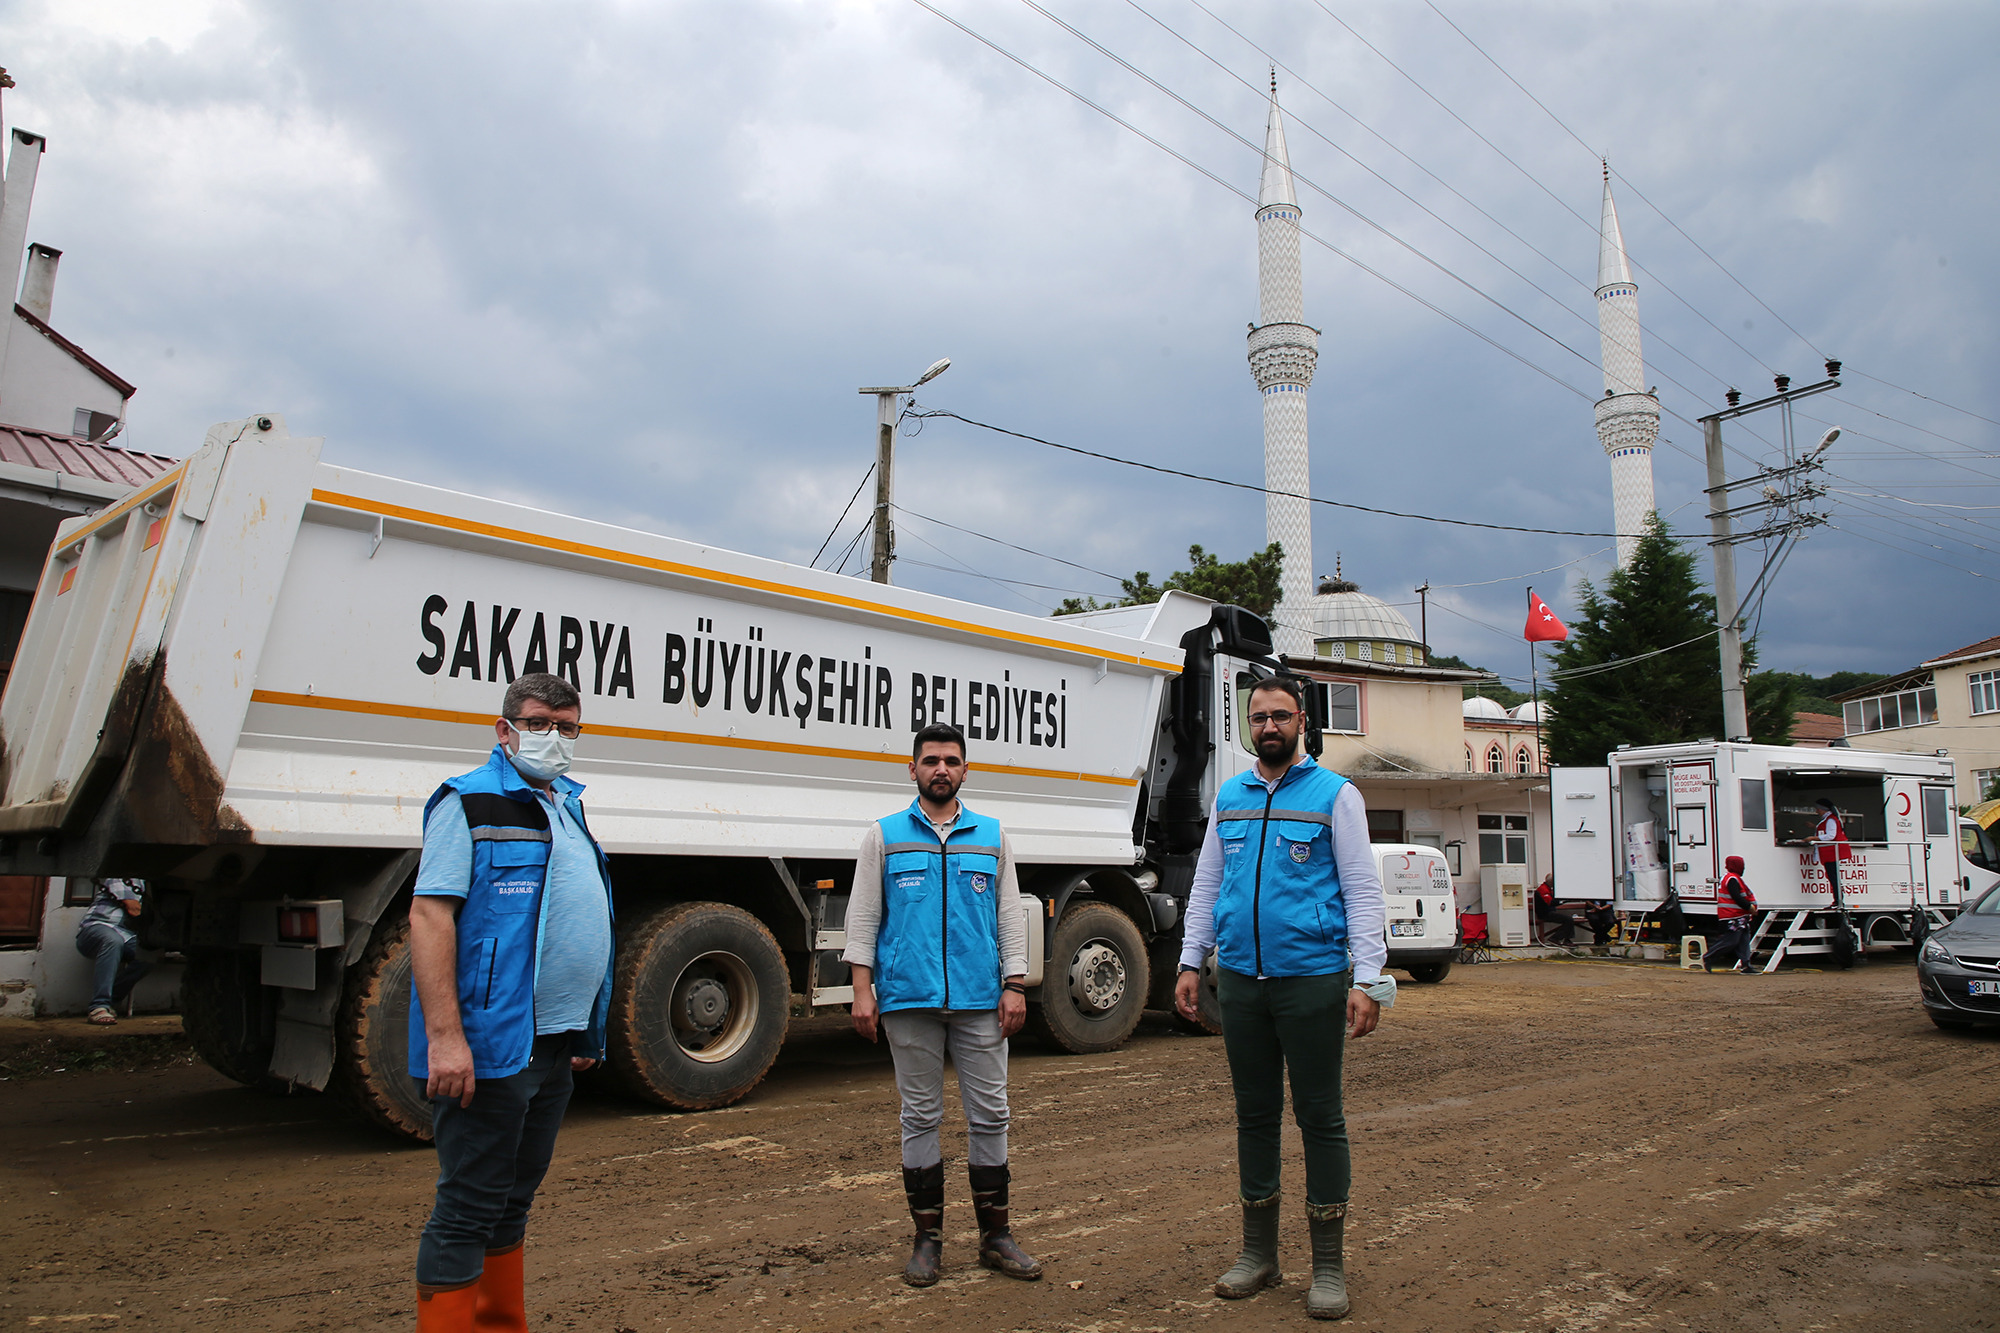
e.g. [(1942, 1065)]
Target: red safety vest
[(1727, 907), (1833, 845)]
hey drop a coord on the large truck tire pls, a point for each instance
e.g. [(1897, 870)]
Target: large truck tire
[(1207, 1020), (1094, 987), (371, 1071), (230, 1016), (699, 1006), (1429, 974)]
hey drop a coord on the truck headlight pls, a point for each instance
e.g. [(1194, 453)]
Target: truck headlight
[(1937, 953)]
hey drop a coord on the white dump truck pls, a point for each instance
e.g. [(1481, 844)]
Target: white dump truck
[(243, 682), (1654, 825)]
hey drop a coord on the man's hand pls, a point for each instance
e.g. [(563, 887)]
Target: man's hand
[(863, 1009), (577, 1064), (1187, 996), (1013, 1010), (451, 1069), (1362, 1014)]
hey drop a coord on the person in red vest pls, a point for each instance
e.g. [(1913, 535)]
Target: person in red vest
[(1564, 932), (1833, 845), (1735, 911)]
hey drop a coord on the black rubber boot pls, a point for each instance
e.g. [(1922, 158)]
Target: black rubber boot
[(1328, 1297), (924, 1187), (997, 1249), (1257, 1267)]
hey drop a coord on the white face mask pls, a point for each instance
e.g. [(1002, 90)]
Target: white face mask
[(543, 757)]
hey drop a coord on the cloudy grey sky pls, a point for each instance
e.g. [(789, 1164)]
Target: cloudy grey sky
[(632, 260)]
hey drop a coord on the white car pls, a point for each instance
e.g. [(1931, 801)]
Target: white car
[(1422, 926)]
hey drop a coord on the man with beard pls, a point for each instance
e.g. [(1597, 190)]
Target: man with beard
[(939, 952), (1287, 893)]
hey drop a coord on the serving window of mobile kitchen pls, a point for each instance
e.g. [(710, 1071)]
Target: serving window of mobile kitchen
[(1859, 798)]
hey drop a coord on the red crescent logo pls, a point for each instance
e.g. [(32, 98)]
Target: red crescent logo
[(1906, 803)]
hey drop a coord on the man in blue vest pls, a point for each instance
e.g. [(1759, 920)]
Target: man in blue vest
[(939, 952), (1287, 893), (510, 950)]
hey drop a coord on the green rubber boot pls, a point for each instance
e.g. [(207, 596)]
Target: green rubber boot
[(1257, 1267), (1328, 1297)]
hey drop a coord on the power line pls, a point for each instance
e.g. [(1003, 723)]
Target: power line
[(814, 562), (1246, 486), (1926, 397), (995, 540)]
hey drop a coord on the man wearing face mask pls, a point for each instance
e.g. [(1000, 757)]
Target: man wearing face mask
[(1287, 893), (510, 950)]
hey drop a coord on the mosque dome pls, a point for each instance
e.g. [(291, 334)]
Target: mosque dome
[(1348, 624), (1530, 712), (1480, 707)]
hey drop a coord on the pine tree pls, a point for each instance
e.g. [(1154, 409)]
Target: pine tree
[(1252, 583), (1654, 615)]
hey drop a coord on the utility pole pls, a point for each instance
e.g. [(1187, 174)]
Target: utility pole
[(1784, 521), (885, 462), (1424, 618)]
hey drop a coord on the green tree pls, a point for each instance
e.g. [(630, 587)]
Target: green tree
[(1650, 632), (1251, 584), (1815, 693)]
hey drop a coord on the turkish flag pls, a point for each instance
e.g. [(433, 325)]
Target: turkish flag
[(1542, 623)]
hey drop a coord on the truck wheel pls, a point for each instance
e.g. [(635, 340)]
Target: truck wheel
[(229, 1015), (699, 1006), (1429, 974), (372, 1052), (1207, 1021), (1096, 982)]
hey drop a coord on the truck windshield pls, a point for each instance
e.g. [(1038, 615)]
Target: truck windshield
[(1975, 844), (1856, 796)]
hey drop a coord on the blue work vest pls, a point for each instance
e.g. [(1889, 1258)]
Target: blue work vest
[(1279, 912), (500, 925), (939, 943)]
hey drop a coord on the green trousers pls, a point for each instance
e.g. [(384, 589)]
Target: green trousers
[(1270, 1026)]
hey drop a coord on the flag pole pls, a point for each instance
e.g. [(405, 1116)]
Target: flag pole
[(1535, 685)]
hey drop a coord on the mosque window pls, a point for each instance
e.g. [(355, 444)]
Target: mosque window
[(1468, 758), (1339, 651), (1496, 759), (1335, 705), (1367, 651), (1523, 764)]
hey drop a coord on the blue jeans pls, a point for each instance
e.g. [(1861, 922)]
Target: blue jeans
[(492, 1156), (1271, 1029), (117, 961)]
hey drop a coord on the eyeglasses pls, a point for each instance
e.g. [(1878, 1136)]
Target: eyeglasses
[(539, 726), (1281, 718)]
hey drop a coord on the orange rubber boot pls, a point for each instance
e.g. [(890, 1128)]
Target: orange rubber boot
[(502, 1306), (448, 1311)]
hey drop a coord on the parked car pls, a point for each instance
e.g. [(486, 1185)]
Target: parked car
[(1958, 969)]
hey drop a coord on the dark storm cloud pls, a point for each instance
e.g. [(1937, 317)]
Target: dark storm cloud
[(632, 261)]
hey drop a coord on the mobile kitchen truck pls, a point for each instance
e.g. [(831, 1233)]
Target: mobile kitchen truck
[(1658, 822), (243, 682)]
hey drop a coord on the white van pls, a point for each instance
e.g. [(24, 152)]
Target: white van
[(1422, 925)]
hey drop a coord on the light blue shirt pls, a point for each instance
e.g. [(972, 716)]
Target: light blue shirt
[(575, 944)]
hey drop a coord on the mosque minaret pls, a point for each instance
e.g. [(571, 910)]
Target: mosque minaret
[(1283, 351), (1628, 416)]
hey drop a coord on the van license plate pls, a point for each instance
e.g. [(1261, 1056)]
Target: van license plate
[(1983, 987), (1417, 928)]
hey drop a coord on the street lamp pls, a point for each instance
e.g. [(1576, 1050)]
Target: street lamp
[(885, 459)]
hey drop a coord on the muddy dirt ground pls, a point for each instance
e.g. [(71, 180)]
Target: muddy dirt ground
[(1538, 1146)]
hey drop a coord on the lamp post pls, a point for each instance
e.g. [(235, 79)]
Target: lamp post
[(885, 458)]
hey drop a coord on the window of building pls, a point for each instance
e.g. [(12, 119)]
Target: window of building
[(1468, 758), (1985, 692), (1335, 705), (1385, 826), (1496, 759), (1339, 651), (1367, 651), (1523, 763), (1905, 708), (1503, 840), (1984, 780)]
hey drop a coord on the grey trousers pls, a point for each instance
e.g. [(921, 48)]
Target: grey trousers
[(918, 1039)]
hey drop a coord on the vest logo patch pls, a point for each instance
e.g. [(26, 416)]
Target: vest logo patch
[(978, 883), (514, 886), (1301, 851), (915, 881)]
